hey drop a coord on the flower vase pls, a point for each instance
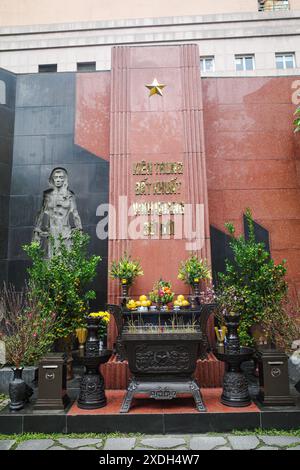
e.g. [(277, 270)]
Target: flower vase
[(19, 391), (81, 334), (195, 295), (125, 293), (92, 342), (232, 337)]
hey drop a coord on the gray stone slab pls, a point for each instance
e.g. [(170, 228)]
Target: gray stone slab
[(280, 441), (167, 442), (56, 448), (268, 448), (243, 442), (6, 444), (223, 448), (206, 442), (120, 443), (36, 444), (74, 443)]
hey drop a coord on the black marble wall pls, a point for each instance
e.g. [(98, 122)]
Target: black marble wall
[(221, 250), (7, 114), (43, 140)]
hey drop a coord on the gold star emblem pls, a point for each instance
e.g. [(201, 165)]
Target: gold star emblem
[(155, 88)]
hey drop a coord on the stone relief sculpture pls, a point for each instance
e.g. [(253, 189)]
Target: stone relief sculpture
[(58, 215)]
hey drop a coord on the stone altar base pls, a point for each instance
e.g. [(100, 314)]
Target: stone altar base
[(209, 373), (175, 416)]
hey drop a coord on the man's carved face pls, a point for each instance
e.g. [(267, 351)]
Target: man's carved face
[(59, 178)]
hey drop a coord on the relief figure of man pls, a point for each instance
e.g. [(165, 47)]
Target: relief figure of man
[(58, 215)]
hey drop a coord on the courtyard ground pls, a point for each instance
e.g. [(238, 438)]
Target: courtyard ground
[(247, 441)]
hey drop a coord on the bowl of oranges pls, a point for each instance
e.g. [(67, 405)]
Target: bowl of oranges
[(181, 302), (141, 305)]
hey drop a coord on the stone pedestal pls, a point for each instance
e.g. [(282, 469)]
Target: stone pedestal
[(273, 378), (52, 388)]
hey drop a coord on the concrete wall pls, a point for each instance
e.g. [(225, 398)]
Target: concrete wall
[(30, 12), (22, 49), (295, 4)]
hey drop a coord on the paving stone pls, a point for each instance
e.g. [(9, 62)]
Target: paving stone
[(223, 448), (268, 448), (120, 443), (73, 443), (36, 444), (243, 442), (6, 444), (280, 441), (206, 442), (163, 442), (57, 448)]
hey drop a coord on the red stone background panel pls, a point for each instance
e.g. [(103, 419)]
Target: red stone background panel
[(251, 154), (93, 112)]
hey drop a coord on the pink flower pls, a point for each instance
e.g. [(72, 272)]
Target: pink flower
[(34, 335)]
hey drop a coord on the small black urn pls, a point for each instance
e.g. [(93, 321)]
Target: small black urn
[(19, 391)]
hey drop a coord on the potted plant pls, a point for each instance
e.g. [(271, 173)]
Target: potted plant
[(101, 319), (162, 294), (27, 335), (192, 272), (60, 284), (258, 283), (126, 270)]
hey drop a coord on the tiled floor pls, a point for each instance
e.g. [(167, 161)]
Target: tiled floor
[(143, 405)]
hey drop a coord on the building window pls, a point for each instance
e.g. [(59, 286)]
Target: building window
[(44, 68), (207, 64), (244, 62), (273, 5), (2, 92), (285, 61), (86, 66)]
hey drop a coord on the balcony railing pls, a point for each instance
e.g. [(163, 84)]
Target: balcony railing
[(273, 5)]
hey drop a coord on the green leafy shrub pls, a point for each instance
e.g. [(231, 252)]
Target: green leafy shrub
[(60, 283), (258, 282)]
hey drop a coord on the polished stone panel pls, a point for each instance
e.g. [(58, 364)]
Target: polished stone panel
[(44, 139), (7, 116)]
